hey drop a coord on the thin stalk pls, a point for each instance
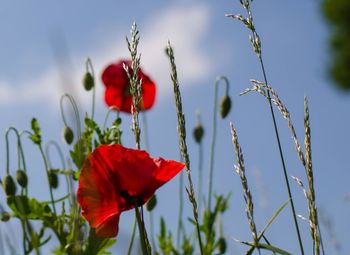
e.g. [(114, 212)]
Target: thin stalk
[(146, 143), (200, 176), (60, 154), (144, 246), (182, 141), (213, 139), (132, 237), (112, 108), (282, 159), (48, 177), (89, 66), (181, 198)]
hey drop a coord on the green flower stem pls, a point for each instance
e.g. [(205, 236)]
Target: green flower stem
[(48, 177), (181, 198), (20, 155), (282, 159), (110, 109), (213, 139), (88, 66), (200, 176), (75, 109), (60, 154), (146, 143), (132, 238), (144, 243)]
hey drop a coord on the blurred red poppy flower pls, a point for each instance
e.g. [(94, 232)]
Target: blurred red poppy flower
[(115, 179), (118, 92)]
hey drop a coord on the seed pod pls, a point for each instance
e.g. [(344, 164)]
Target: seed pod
[(22, 178), (222, 245), (53, 178), (88, 81), (198, 133), (68, 135), (5, 216), (151, 204), (225, 106), (9, 185)]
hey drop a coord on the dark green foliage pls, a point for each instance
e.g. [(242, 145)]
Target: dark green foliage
[(68, 135), (225, 106), (198, 133), (5, 216), (22, 178), (97, 245), (151, 204), (88, 81), (53, 178), (336, 13), (9, 186)]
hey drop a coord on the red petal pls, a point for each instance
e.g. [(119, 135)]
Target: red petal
[(96, 194), (116, 81), (109, 227)]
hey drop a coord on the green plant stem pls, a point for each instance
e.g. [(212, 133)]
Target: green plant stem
[(200, 176), (213, 139), (181, 198), (212, 147), (282, 157), (140, 222), (48, 177), (89, 66), (132, 237), (60, 154)]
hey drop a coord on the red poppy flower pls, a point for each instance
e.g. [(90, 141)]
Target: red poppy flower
[(117, 85), (115, 179)]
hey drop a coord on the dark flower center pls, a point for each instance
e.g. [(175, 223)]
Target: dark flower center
[(130, 199)]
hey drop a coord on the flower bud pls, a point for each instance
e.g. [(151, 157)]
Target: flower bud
[(53, 178), (222, 245), (225, 106), (88, 81), (151, 204), (9, 185), (68, 135), (5, 216), (22, 178), (198, 133)]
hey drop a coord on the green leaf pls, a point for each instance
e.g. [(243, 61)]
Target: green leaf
[(25, 208), (261, 234), (97, 245)]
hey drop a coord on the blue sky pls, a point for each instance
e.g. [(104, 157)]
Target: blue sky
[(43, 40)]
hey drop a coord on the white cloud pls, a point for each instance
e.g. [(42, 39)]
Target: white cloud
[(184, 26)]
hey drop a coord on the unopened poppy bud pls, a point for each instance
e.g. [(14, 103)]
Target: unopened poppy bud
[(68, 135), (88, 81), (53, 179), (225, 106), (22, 178), (222, 245), (198, 133), (9, 185), (5, 216), (151, 204)]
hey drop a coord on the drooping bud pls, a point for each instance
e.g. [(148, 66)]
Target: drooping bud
[(151, 204), (198, 133), (5, 216), (88, 81), (9, 185), (53, 178), (225, 106), (222, 245), (22, 178), (68, 135)]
